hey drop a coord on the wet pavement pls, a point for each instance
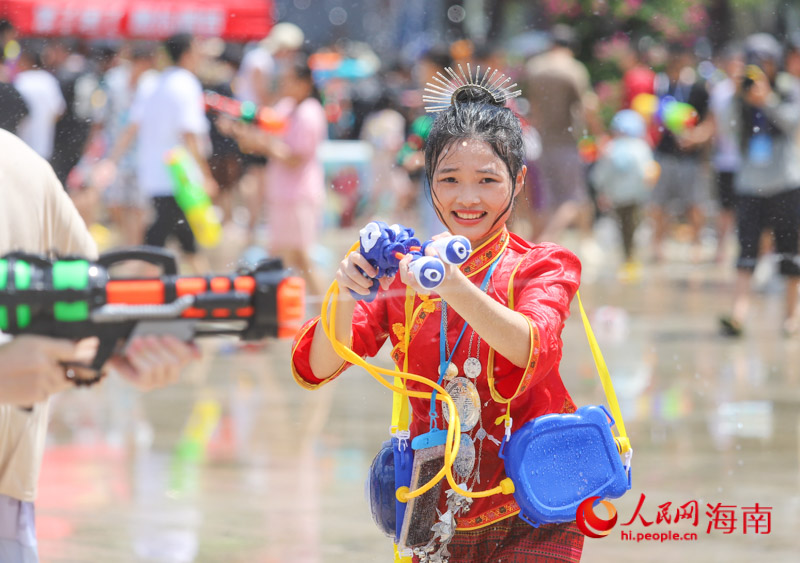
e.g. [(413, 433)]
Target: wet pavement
[(238, 463)]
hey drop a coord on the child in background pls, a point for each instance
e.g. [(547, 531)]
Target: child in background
[(624, 175)]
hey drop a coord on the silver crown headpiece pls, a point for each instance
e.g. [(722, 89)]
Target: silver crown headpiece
[(442, 94)]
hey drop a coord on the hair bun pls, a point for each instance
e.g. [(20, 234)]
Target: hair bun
[(490, 88), (476, 95)]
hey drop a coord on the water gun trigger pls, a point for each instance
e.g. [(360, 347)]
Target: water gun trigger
[(373, 290)]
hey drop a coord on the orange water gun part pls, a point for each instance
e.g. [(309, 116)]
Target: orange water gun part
[(264, 117)]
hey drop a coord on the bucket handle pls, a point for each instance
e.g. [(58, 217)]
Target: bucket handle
[(527, 520)]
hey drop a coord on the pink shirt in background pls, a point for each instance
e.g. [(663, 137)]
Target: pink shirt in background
[(307, 128)]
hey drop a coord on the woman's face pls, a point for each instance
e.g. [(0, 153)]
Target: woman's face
[(295, 87), (472, 188)]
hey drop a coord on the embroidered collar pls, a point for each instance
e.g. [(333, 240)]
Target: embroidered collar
[(482, 256)]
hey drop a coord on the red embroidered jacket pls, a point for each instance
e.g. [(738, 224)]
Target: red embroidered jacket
[(545, 279)]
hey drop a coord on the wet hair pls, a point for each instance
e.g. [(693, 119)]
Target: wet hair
[(6, 26), (178, 44), (438, 55), (303, 71), (31, 51), (475, 114), (563, 35)]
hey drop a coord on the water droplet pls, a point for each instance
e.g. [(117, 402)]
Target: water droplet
[(338, 16), (456, 14)]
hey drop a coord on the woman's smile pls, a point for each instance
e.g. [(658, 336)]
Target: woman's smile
[(468, 217)]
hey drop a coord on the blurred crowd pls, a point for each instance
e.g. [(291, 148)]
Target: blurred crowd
[(694, 142)]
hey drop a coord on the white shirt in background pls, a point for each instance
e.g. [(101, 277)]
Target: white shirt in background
[(255, 59), (164, 112), (41, 92)]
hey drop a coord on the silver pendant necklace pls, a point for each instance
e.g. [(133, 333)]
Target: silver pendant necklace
[(472, 366), (451, 372)]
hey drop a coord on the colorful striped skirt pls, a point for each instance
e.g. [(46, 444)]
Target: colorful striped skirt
[(514, 541)]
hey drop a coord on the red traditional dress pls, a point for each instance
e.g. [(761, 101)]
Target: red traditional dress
[(538, 281)]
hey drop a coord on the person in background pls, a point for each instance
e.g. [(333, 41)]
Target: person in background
[(726, 159), (637, 76), (226, 158), (763, 117), (40, 90), (411, 156), (126, 201), (13, 108), (295, 177), (791, 60), (624, 176), (384, 129), (256, 81), (78, 69), (563, 109), (164, 116), (681, 188)]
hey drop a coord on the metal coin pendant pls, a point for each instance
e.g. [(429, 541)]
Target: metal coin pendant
[(451, 372), (472, 368), (467, 401), (465, 460)]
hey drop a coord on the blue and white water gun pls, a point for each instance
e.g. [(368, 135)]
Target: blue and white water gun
[(384, 246)]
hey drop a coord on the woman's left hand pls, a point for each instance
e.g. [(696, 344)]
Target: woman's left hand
[(452, 273)]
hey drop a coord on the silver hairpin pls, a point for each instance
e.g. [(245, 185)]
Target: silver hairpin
[(442, 94)]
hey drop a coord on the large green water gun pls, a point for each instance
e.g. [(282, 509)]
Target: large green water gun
[(192, 197), (76, 298)]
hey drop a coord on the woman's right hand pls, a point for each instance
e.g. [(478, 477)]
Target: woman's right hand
[(348, 275)]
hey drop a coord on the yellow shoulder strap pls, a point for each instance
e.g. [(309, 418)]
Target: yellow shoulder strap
[(400, 407), (623, 444)]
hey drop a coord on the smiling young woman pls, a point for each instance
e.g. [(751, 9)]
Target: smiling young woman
[(513, 297)]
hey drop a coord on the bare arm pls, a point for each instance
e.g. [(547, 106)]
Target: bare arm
[(192, 144), (277, 148), (507, 331), (323, 358), (124, 142)]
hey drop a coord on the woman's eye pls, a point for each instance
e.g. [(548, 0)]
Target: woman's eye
[(448, 179), (488, 180)]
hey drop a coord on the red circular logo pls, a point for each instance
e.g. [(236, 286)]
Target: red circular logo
[(589, 523)]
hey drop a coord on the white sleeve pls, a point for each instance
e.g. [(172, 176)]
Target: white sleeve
[(137, 106), (192, 118), (144, 88)]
